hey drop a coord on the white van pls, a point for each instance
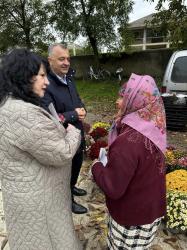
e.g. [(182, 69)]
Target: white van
[(175, 78), (174, 91)]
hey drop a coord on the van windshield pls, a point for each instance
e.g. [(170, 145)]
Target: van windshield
[(179, 73)]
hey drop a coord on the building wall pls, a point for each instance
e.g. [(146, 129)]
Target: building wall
[(152, 62)]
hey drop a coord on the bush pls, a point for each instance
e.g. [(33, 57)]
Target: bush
[(176, 211)]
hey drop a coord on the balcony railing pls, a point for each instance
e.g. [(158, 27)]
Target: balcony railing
[(156, 39), (151, 39)]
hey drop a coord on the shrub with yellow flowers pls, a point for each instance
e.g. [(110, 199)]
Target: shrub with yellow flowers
[(177, 181), (176, 218), (175, 159), (176, 184), (170, 157)]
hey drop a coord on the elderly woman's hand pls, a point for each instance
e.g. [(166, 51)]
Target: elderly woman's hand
[(90, 176), (95, 161)]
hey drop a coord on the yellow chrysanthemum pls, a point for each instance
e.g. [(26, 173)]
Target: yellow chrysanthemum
[(170, 157), (104, 125), (177, 180)]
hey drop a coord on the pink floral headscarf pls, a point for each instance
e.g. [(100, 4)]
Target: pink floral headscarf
[(143, 110)]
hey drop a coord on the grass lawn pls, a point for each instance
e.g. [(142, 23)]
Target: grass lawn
[(98, 96)]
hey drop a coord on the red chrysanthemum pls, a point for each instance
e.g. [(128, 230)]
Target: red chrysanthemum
[(95, 148), (98, 133)]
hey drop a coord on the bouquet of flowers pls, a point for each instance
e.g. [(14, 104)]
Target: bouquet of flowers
[(98, 133), (96, 139)]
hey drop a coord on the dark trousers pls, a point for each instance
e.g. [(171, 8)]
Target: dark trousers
[(76, 167)]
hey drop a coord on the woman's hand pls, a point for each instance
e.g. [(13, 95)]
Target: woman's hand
[(70, 127), (81, 113)]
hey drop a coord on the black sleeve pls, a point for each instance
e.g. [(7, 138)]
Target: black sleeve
[(71, 116)]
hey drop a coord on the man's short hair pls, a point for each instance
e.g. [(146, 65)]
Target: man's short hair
[(52, 46)]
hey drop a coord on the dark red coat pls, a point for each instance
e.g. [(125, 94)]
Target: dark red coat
[(133, 179)]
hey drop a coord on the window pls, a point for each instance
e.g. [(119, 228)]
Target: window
[(138, 36), (179, 72), (155, 36)]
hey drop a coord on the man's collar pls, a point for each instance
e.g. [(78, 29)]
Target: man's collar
[(62, 79)]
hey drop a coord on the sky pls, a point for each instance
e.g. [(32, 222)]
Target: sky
[(143, 8)]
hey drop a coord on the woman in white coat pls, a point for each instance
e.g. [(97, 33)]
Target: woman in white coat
[(35, 159)]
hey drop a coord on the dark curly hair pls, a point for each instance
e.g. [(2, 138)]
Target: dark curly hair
[(16, 71)]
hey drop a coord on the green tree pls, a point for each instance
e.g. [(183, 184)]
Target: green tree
[(95, 19), (23, 23), (172, 21)]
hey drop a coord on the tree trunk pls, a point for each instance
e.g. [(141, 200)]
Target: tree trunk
[(93, 43), (27, 39), (92, 39)]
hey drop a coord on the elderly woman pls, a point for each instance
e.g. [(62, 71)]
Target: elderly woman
[(35, 158), (133, 179)]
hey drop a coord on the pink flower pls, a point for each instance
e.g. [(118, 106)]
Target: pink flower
[(62, 118), (183, 161)]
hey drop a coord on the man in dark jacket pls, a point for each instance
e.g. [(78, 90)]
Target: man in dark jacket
[(63, 94)]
